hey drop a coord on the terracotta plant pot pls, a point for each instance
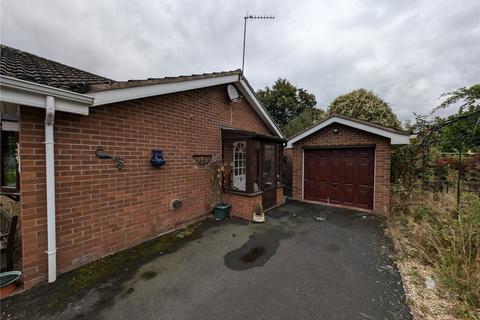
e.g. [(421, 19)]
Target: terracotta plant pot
[(8, 283), (8, 290)]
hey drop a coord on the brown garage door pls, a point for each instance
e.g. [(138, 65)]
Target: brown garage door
[(340, 176)]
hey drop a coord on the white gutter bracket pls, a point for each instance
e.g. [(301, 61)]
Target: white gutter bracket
[(50, 177)]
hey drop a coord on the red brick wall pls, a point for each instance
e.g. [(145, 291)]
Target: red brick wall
[(280, 196), (346, 137), (242, 206), (101, 210)]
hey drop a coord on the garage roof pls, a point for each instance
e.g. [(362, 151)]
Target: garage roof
[(395, 136)]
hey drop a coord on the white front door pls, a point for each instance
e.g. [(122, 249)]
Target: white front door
[(239, 167)]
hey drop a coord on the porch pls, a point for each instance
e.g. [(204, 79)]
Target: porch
[(255, 162)]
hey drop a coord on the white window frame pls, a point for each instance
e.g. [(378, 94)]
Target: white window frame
[(239, 167)]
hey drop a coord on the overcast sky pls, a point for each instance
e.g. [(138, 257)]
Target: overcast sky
[(408, 52)]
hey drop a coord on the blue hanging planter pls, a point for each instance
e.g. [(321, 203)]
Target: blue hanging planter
[(157, 158)]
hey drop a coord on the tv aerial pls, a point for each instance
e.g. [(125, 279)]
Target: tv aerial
[(251, 17)]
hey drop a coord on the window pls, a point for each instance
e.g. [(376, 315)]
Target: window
[(269, 166), (9, 177)]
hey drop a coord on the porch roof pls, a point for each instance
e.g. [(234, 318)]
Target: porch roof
[(235, 134)]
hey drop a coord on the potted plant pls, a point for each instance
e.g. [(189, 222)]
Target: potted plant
[(8, 283), (258, 213), (220, 175)]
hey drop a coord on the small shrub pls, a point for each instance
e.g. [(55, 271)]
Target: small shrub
[(220, 178)]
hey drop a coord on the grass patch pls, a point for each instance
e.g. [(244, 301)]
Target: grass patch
[(431, 230)]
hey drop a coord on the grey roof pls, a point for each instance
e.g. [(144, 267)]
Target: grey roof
[(150, 81), (29, 67)]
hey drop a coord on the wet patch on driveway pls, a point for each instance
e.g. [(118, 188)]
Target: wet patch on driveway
[(147, 275), (259, 248)]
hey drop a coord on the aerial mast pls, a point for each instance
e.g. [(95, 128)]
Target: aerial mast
[(251, 17)]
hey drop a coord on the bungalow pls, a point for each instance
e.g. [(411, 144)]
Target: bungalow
[(77, 157)]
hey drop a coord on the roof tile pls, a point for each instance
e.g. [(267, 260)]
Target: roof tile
[(150, 81), (29, 67)]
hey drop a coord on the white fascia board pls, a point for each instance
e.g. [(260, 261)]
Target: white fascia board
[(395, 138), (131, 93), (18, 84), (253, 100), (27, 93)]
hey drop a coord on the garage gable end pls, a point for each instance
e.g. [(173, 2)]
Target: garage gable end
[(395, 136)]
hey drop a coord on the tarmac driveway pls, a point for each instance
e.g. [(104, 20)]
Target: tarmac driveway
[(307, 262)]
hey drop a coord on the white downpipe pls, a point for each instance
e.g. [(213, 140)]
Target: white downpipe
[(50, 171)]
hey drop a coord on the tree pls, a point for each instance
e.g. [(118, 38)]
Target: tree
[(365, 105), (459, 132), (302, 121), (461, 135), (284, 101)]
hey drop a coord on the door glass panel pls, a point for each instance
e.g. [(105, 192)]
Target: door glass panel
[(239, 179), (269, 165), (256, 166)]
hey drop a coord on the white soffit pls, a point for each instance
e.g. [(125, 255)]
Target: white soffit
[(150, 90), (395, 138), (31, 94)]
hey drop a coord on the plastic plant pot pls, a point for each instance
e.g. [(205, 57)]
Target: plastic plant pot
[(7, 283), (221, 211)]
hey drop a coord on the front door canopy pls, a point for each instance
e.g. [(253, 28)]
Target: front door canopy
[(235, 134), (395, 136)]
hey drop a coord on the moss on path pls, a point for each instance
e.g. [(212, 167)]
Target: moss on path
[(106, 275)]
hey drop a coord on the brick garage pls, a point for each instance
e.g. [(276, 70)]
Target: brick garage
[(100, 210), (341, 160)]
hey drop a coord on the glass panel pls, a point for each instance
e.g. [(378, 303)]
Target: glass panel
[(9, 161), (256, 166), (9, 111), (239, 178), (269, 164)]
